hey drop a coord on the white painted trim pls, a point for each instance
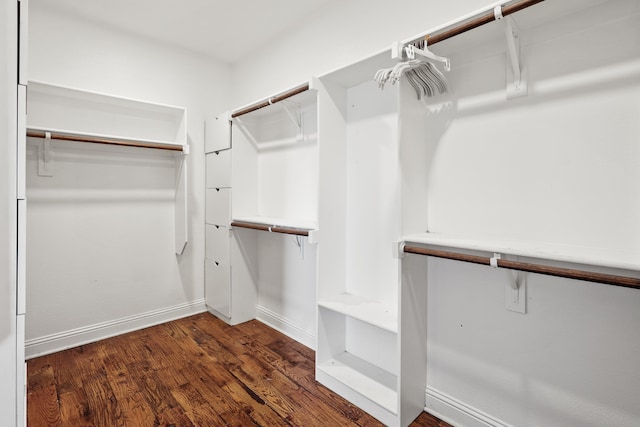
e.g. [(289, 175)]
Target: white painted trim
[(286, 326), (72, 338), (458, 413)]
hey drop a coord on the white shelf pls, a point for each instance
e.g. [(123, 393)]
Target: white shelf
[(303, 224), (363, 309), (550, 251), (306, 97), (79, 112), (115, 137), (375, 384)]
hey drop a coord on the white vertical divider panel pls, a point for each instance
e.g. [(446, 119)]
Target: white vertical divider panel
[(21, 368), (415, 158), (332, 198), (23, 43), (21, 258), (21, 373), (21, 142)]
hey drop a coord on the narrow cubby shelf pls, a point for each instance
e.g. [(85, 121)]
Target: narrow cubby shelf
[(375, 313), (366, 379)]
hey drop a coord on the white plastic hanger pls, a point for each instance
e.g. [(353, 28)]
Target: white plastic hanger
[(411, 52)]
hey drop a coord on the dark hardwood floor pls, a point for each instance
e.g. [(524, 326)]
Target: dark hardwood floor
[(196, 371)]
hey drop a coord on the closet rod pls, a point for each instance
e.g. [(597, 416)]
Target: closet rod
[(272, 228), (270, 101), (432, 39), (101, 140), (569, 273)]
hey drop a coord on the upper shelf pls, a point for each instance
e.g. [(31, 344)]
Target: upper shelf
[(303, 94), (75, 112), (276, 225), (585, 255), (532, 17)]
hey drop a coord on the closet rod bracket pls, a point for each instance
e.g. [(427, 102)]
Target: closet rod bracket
[(313, 237), (397, 249), (516, 79), (45, 161), (515, 292)]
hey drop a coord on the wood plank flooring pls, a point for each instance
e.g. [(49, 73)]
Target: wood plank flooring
[(196, 371)]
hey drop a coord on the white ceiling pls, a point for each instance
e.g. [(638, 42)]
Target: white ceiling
[(222, 29)]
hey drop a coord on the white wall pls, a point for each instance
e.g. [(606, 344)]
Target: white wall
[(98, 255), (572, 359), (338, 36)]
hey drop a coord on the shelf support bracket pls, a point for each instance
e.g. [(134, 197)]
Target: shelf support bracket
[(517, 87), (245, 131), (296, 119), (45, 162)]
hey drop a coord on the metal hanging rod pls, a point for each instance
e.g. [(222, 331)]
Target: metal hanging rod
[(568, 273), (102, 140), (270, 228), (270, 101), (479, 21)]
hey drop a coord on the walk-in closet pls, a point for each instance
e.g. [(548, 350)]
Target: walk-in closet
[(340, 213)]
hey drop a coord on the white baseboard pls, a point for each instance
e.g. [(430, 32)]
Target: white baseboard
[(72, 338), (458, 413), (284, 325)]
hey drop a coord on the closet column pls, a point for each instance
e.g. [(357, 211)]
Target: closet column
[(21, 368), (219, 292)]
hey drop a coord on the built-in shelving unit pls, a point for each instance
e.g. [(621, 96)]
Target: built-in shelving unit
[(58, 113), (268, 201), (275, 165), (361, 350)]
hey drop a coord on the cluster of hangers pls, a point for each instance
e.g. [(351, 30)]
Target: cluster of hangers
[(417, 66)]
